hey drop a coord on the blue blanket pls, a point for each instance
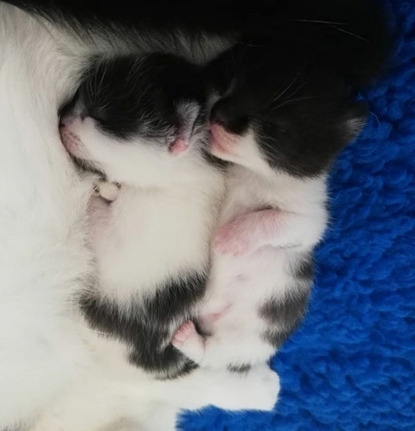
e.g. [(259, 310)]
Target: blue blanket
[(351, 366)]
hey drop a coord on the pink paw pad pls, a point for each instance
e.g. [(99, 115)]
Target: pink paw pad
[(183, 333)]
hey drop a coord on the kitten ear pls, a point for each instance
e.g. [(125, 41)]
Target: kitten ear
[(354, 120)]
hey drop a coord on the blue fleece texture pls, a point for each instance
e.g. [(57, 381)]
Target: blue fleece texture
[(351, 366)]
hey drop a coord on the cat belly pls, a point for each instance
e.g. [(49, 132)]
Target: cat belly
[(248, 279)]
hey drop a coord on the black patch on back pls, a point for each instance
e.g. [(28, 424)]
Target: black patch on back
[(240, 369), (147, 327)]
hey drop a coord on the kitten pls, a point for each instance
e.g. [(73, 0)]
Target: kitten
[(280, 126), (140, 121)]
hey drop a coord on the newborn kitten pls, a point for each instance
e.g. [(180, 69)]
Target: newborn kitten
[(280, 125), (140, 121)]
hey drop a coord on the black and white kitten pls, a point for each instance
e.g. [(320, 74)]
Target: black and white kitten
[(280, 125), (285, 110), (140, 121)]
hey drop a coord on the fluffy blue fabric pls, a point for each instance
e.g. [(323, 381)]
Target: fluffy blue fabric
[(351, 366)]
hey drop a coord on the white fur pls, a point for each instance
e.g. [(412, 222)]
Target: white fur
[(54, 371), (109, 391), (42, 255), (153, 235)]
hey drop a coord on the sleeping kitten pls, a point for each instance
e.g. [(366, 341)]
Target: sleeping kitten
[(280, 125), (140, 121)]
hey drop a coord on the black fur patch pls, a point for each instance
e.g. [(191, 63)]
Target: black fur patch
[(300, 113), (350, 35), (259, 17), (147, 327), (294, 87), (284, 315), (304, 270), (277, 338), (135, 95)]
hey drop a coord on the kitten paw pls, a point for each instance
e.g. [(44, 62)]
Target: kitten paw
[(183, 334), (259, 389), (189, 342)]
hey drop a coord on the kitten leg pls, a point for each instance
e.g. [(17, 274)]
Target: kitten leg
[(256, 390), (99, 404), (249, 232)]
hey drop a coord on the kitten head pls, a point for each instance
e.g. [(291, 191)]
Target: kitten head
[(138, 120), (279, 113)]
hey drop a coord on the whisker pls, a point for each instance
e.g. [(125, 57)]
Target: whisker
[(286, 88), (318, 21), (293, 93), (333, 24), (268, 149), (349, 33), (253, 45), (101, 82), (376, 117), (298, 99)]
